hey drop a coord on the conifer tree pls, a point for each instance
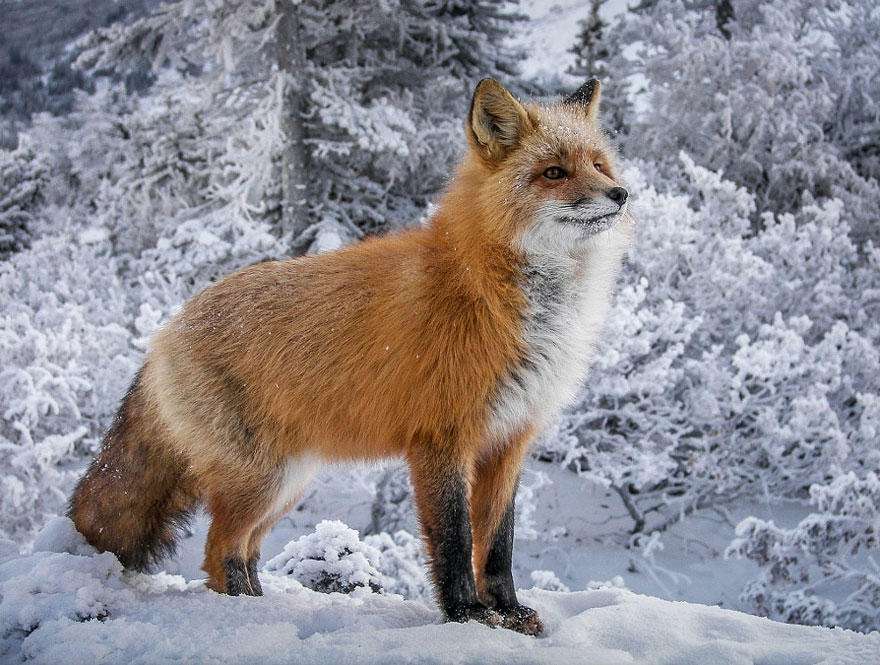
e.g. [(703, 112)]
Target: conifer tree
[(591, 52)]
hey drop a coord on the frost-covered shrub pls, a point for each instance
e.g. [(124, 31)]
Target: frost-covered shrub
[(65, 359), (334, 559), (822, 571), (402, 564), (197, 252), (331, 559), (547, 580), (34, 483)]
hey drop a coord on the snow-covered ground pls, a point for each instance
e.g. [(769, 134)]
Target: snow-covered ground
[(65, 604)]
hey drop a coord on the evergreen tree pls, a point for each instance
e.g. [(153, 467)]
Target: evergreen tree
[(591, 61), (355, 107), (23, 180), (589, 48)]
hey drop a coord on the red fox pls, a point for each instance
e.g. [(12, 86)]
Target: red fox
[(450, 345)]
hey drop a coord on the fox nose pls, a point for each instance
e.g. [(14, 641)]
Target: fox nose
[(618, 195)]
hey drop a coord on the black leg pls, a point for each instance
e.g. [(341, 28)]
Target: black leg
[(253, 577), (236, 577), (453, 545), (498, 580), (497, 571)]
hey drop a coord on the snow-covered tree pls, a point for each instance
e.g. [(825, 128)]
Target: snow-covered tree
[(591, 60), (389, 85), (23, 179), (589, 48), (780, 97), (332, 559), (368, 97)]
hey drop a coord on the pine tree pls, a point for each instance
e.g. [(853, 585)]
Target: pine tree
[(389, 86), (589, 48), (23, 184), (591, 61)]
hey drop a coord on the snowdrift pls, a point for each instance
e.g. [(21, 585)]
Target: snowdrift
[(64, 603)]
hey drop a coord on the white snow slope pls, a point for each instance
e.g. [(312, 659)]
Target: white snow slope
[(65, 604)]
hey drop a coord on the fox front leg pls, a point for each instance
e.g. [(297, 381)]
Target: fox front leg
[(492, 514), (497, 579), (441, 494)]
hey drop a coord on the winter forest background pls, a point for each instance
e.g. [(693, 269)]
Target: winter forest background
[(727, 444)]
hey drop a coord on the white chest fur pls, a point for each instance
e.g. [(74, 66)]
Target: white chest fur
[(567, 300)]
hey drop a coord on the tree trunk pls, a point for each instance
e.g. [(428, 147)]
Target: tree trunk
[(291, 57)]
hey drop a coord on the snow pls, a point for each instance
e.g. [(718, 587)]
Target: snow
[(62, 603), (94, 234)]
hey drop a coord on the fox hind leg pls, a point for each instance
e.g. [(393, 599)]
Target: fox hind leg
[(255, 539), (233, 517), (242, 516)]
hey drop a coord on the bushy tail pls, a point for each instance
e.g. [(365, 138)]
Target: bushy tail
[(135, 496)]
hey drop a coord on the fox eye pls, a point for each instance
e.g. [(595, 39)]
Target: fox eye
[(554, 173), (600, 167)]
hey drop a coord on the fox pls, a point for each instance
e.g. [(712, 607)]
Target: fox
[(451, 345)]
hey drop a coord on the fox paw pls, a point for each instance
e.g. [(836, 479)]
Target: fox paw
[(522, 619), (481, 613)]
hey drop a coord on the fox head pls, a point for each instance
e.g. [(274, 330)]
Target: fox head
[(544, 176)]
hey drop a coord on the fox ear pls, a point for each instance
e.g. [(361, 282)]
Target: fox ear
[(496, 122), (587, 97)]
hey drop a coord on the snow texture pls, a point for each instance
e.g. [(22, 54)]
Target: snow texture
[(63, 603)]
